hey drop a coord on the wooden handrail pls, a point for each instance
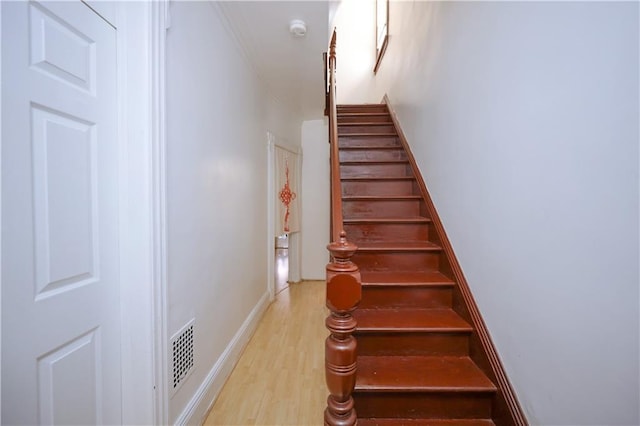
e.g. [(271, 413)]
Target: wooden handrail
[(336, 193), (344, 286), (326, 83)]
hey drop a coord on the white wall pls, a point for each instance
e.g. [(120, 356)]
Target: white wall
[(354, 21), (523, 118), (315, 199), (218, 115)]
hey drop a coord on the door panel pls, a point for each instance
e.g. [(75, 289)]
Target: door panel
[(58, 49), (60, 387), (60, 274), (65, 201)]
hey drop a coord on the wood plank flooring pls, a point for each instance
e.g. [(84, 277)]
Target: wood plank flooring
[(279, 380)]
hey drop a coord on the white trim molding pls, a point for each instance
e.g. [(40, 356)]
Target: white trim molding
[(158, 33), (1, 86), (136, 211), (271, 237)]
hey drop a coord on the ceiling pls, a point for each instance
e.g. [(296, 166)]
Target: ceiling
[(292, 68)]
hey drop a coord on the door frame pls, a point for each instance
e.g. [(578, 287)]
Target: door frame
[(142, 35), (271, 216), (159, 25), (295, 246), (143, 308), (143, 41), (1, 86)]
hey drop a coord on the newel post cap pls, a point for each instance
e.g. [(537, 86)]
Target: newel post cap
[(342, 249)]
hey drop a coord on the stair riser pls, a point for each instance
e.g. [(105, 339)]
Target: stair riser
[(419, 422), (387, 232), (381, 208), (362, 108), (358, 141), (436, 405), (372, 155), (397, 187), (408, 344), (409, 297), (375, 170), (364, 118), (397, 261), (346, 129)]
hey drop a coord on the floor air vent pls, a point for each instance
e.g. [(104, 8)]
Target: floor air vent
[(182, 354)]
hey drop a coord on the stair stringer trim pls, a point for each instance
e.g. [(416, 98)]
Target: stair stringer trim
[(507, 410)]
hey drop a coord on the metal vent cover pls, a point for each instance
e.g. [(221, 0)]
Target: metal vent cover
[(182, 355)]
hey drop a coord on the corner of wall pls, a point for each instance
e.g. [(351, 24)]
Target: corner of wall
[(315, 200)]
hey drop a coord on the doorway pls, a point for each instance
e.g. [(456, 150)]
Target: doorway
[(283, 236)]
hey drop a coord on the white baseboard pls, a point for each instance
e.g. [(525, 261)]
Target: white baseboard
[(202, 401)]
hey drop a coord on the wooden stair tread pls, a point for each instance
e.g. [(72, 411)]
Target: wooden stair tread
[(375, 178), (371, 147), (367, 134), (380, 197), (408, 246), (378, 105), (410, 320), (425, 422), (423, 278), (359, 114), (367, 123), (372, 162), (384, 220), (420, 374)]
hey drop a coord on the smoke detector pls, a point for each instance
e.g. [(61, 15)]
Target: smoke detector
[(298, 28)]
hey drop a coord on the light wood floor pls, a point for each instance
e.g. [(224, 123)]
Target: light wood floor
[(279, 380)]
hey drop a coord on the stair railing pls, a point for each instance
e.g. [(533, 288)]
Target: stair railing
[(326, 83), (343, 284)]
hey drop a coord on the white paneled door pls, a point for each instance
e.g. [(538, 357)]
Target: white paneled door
[(60, 270)]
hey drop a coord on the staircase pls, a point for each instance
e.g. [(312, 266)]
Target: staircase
[(413, 332)]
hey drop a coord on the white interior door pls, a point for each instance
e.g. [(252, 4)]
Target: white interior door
[(60, 270)]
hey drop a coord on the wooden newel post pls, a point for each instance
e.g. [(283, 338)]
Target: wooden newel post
[(343, 295)]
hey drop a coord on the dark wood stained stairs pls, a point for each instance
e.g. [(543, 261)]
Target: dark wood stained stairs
[(420, 359)]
